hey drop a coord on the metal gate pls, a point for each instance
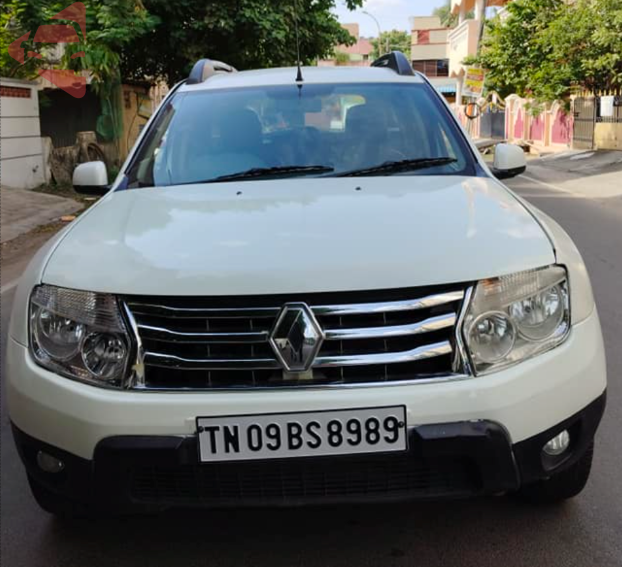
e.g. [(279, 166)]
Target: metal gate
[(492, 124), (62, 116), (614, 113), (584, 120)]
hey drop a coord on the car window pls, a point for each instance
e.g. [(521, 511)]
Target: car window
[(203, 135)]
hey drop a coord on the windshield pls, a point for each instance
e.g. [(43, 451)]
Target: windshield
[(314, 130)]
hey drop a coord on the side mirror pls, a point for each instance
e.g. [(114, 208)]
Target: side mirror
[(472, 111), (509, 161), (91, 178)]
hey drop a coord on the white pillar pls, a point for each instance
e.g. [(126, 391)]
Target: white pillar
[(459, 92), (462, 13), (479, 9)]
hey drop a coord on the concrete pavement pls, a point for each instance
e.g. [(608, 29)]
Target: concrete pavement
[(492, 532), (23, 211), (596, 175)]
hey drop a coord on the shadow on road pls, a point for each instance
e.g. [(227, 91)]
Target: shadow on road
[(423, 533)]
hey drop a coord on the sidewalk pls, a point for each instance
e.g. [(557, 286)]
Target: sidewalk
[(593, 174), (23, 211), (483, 143)]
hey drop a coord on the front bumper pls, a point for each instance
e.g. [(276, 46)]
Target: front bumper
[(129, 450), (450, 460)]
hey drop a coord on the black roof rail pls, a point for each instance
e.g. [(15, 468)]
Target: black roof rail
[(205, 68), (395, 60)]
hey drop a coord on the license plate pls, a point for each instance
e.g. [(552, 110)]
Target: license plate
[(305, 434)]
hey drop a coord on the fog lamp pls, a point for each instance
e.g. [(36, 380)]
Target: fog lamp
[(48, 463), (558, 444)]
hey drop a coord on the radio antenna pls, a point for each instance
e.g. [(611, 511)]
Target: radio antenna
[(299, 78)]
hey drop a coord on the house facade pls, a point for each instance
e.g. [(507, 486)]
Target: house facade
[(430, 48), (429, 53), (463, 40), (358, 55)]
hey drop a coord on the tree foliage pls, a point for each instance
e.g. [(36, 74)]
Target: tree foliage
[(342, 58), (443, 12), (394, 40), (111, 27), (544, 48), (244, 33), (150, 39), (10, 30), (448, 19)]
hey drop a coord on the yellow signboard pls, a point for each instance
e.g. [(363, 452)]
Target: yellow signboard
[(473, 82)]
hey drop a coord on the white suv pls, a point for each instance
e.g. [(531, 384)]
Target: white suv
[(302, 291)]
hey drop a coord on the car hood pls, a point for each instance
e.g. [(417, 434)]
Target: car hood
[(299, 235)]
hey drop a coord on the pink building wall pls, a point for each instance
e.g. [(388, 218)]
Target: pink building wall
[(519, 125), (562, 128), (536, 129), (552, 127)]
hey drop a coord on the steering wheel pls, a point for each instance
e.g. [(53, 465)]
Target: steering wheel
[(310, 145)]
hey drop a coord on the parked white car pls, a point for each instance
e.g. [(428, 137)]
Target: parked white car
[(304, 291)]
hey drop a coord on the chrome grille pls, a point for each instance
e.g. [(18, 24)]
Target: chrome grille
[(222, 342)]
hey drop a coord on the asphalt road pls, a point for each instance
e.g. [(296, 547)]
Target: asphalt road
[(495, 532)]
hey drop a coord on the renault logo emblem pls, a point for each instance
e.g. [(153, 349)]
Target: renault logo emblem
[(296, 337)]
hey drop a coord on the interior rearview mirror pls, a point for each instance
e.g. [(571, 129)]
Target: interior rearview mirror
[(91, 178), (509, 161)]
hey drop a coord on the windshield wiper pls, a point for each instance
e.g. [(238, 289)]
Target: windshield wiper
[(390, 167), (259, 172)]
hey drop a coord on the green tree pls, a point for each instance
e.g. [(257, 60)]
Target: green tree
[(342, 58), (448, 19), (10, 29), (244, 33), (139, 39), (544, 48), (443, 12), (394, 40), (111, 26)]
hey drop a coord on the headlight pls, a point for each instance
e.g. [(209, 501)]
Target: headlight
[(79, 334), (515, 317)]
